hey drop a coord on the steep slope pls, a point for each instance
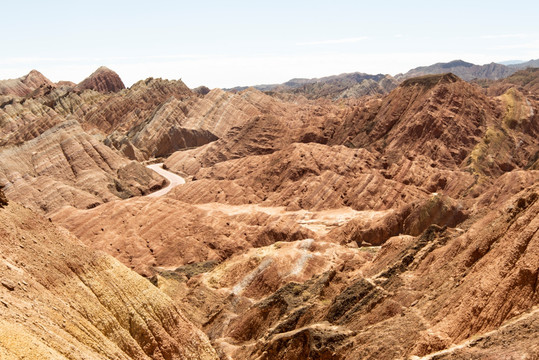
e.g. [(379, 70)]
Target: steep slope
[(444, 119), (186, 124), (25, 119), (121, 112), (378, 227), (61, 300), (157, 117), (278, 124), (66, 166), (102, 80), (300, 176), (143, 114), (438, 116), (418, 296), (24, 85)]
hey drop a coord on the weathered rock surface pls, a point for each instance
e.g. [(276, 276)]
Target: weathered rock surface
[(418, 296), (66, 166), (515, 339), (300, 176), (25, 119), (121, 112), (24, 85), (411, 219), (439, 116), (379, 227), (102, 80), (65, 301), (149, 233)]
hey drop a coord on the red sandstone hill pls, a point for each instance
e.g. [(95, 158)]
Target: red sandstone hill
[(383, 227), (66, 166), (62, 300), (526, 81), (25, 84), (102, 80), (439, 116)]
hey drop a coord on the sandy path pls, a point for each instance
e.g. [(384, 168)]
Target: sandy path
[(173, 179)]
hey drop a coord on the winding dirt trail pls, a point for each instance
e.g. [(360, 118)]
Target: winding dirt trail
[(173, 179)]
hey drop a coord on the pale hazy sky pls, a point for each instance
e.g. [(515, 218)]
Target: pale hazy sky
[(230, 43)]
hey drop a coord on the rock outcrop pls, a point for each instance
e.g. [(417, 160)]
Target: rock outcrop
[(300, 176), (526, 81), (24, 85), (103, 80), (419, 295)]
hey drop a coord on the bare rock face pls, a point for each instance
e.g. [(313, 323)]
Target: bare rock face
[(66, 166), (65, 301), (24, 85), (439, 116), (25, 119), (527, 79), (419, 295), (166, 132), (123, 111), (102, 80), (516, 338), (300, 176), (188, 122)]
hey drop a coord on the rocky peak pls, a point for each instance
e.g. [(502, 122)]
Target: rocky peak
[(429, 81), (25, 84), (103, 80), (35, 79), (456, 63)]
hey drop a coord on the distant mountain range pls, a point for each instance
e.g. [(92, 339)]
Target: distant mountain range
[(511, 62), (468, 71), (335, 87), (359, 84)]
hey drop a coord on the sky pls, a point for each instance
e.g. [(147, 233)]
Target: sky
[(235, 43)]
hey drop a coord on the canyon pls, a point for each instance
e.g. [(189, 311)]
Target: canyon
[(353, 216)]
